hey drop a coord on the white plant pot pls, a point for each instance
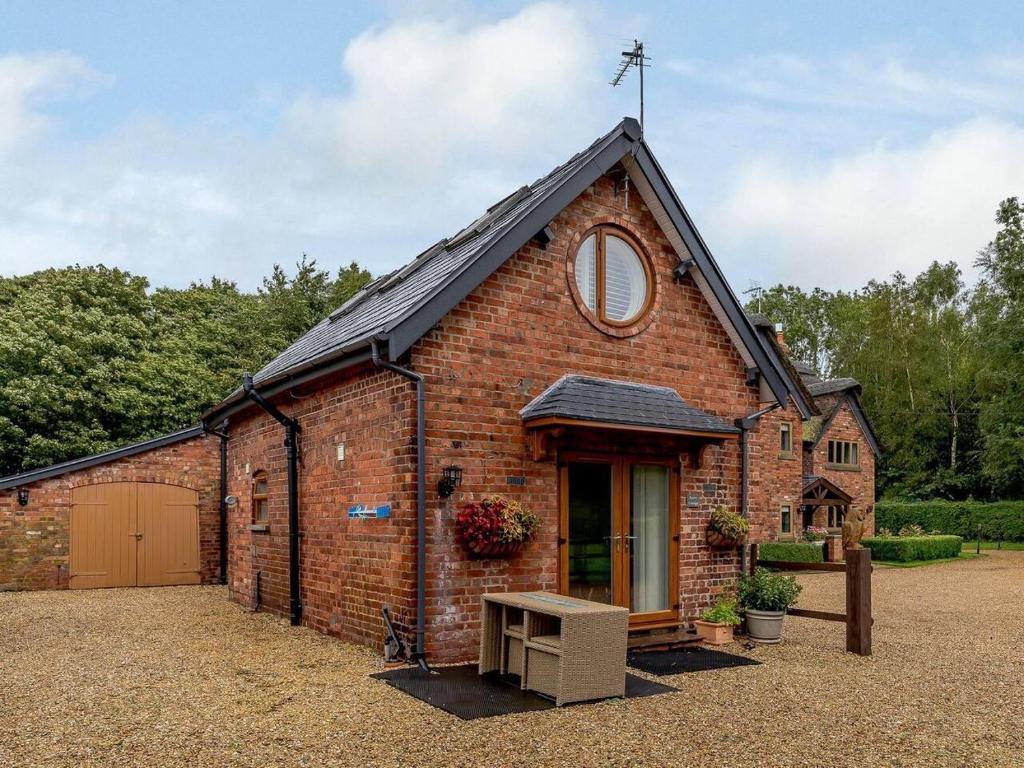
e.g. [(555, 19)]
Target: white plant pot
[(764, 626)]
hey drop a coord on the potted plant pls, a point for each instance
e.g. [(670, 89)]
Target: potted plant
[(814, 534), (716, 623), (765, 596), (726, 529), (495, 526)]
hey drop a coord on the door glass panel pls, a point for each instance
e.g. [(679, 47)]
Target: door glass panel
[(590, 532), (651, 532)]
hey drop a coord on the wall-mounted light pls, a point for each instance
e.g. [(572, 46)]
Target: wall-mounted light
[(23, 496), (451, 478)]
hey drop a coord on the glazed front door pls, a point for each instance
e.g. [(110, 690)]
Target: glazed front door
[(619, 542)]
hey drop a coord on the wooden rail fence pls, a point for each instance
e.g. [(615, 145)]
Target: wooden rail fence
[(858, 594)]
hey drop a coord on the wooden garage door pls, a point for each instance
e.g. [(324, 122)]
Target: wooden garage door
[(134, 534)]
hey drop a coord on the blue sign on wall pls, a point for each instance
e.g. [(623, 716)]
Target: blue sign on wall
[(361, 511)]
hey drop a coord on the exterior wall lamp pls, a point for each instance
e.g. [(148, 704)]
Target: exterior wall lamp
[(23, 496), (451, 478)]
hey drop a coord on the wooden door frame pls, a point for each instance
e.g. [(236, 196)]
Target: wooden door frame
[(621, 501)]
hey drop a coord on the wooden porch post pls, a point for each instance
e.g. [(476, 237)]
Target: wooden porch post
[(753, 557), (858, 601)]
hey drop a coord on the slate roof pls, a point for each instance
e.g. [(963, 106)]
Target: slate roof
[(389, 298), (23, 478), (586, 398), (820, 388), (398, 309)]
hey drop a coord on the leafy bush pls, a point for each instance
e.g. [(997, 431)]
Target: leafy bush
[(791, 552), (729, 524), (912, 530), (959, 518), (722, 612), (767, 591), (815, 533), (903, 549)]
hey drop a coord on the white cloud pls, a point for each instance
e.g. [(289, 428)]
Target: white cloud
[(434, 123), (425, 91), (26, 82), (871, 82), (871, 213)]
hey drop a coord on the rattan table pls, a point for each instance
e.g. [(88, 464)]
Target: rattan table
[(562, 647)]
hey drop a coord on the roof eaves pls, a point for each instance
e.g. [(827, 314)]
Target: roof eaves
[(76, 465), (709, 268), (405, 330)]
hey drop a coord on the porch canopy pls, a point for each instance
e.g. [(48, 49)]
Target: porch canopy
[(819, 492), (585, 402)]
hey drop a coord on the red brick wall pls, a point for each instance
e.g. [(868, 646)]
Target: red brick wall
[(859, 483), (512, 337), (776, 478), (517, 334), (34, 538), (349, 568)]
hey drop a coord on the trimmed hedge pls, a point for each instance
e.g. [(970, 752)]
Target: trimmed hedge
[(791, 551), (903, 549), (957, 518)]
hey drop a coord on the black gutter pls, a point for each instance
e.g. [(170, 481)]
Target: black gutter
[(222, 433), (419, 656), (745, 424), (292, 430)]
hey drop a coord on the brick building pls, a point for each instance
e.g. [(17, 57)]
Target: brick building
[(576, 349)]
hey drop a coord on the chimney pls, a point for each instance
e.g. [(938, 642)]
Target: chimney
[(779, 335)]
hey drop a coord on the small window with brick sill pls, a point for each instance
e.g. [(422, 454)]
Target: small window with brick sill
[(786, 519), (786, 439), (260, 502), (836, 515), (843, 454)]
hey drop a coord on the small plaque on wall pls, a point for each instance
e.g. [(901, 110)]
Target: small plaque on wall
[(710, 487), (515, 480), (362, 512), (693, 500)]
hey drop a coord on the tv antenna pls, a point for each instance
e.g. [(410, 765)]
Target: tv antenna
[(757, 291), (633, 58)]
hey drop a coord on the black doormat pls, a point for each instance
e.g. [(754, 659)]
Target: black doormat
[(463, 692), (686, 660)]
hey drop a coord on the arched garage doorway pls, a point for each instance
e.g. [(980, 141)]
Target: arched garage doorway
[(134, 534)]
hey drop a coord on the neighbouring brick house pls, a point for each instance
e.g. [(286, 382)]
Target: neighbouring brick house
[(836, 450), (576, 349)]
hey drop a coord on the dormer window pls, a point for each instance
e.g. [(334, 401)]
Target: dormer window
[(613, 278)]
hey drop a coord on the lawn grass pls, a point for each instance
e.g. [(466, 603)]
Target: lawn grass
[(1011, 545), (918, 563)]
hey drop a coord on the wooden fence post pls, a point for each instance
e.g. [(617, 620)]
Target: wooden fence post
[(858, 601), (753, 557)]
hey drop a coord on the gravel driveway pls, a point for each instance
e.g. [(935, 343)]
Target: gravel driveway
[(178, 675)]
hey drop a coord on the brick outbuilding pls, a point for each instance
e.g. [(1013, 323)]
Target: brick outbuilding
[(141, 515)]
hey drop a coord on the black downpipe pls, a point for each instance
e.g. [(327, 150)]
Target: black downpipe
[(745, 424), (222, 433), (419, 656), (292, 429)]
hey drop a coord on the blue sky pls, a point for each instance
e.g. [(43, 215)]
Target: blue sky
[(814, 143)]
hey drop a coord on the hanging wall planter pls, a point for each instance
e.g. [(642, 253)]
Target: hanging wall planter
[(727, 530), (495, 527)]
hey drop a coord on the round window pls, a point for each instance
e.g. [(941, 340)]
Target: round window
[(613, 280)]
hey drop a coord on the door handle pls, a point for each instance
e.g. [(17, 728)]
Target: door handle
[(137, 536)]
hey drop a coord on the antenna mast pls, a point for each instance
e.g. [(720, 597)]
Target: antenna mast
[(633, 58)]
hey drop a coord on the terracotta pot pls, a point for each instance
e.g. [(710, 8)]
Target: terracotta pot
[(713, 633), (495, 549), (718, 540)]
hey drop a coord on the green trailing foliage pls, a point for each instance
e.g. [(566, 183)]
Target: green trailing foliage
[(764, 590), (91, 359), (905, 549), (724, 611), (729, 523), (997, 519), (791, 552)]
